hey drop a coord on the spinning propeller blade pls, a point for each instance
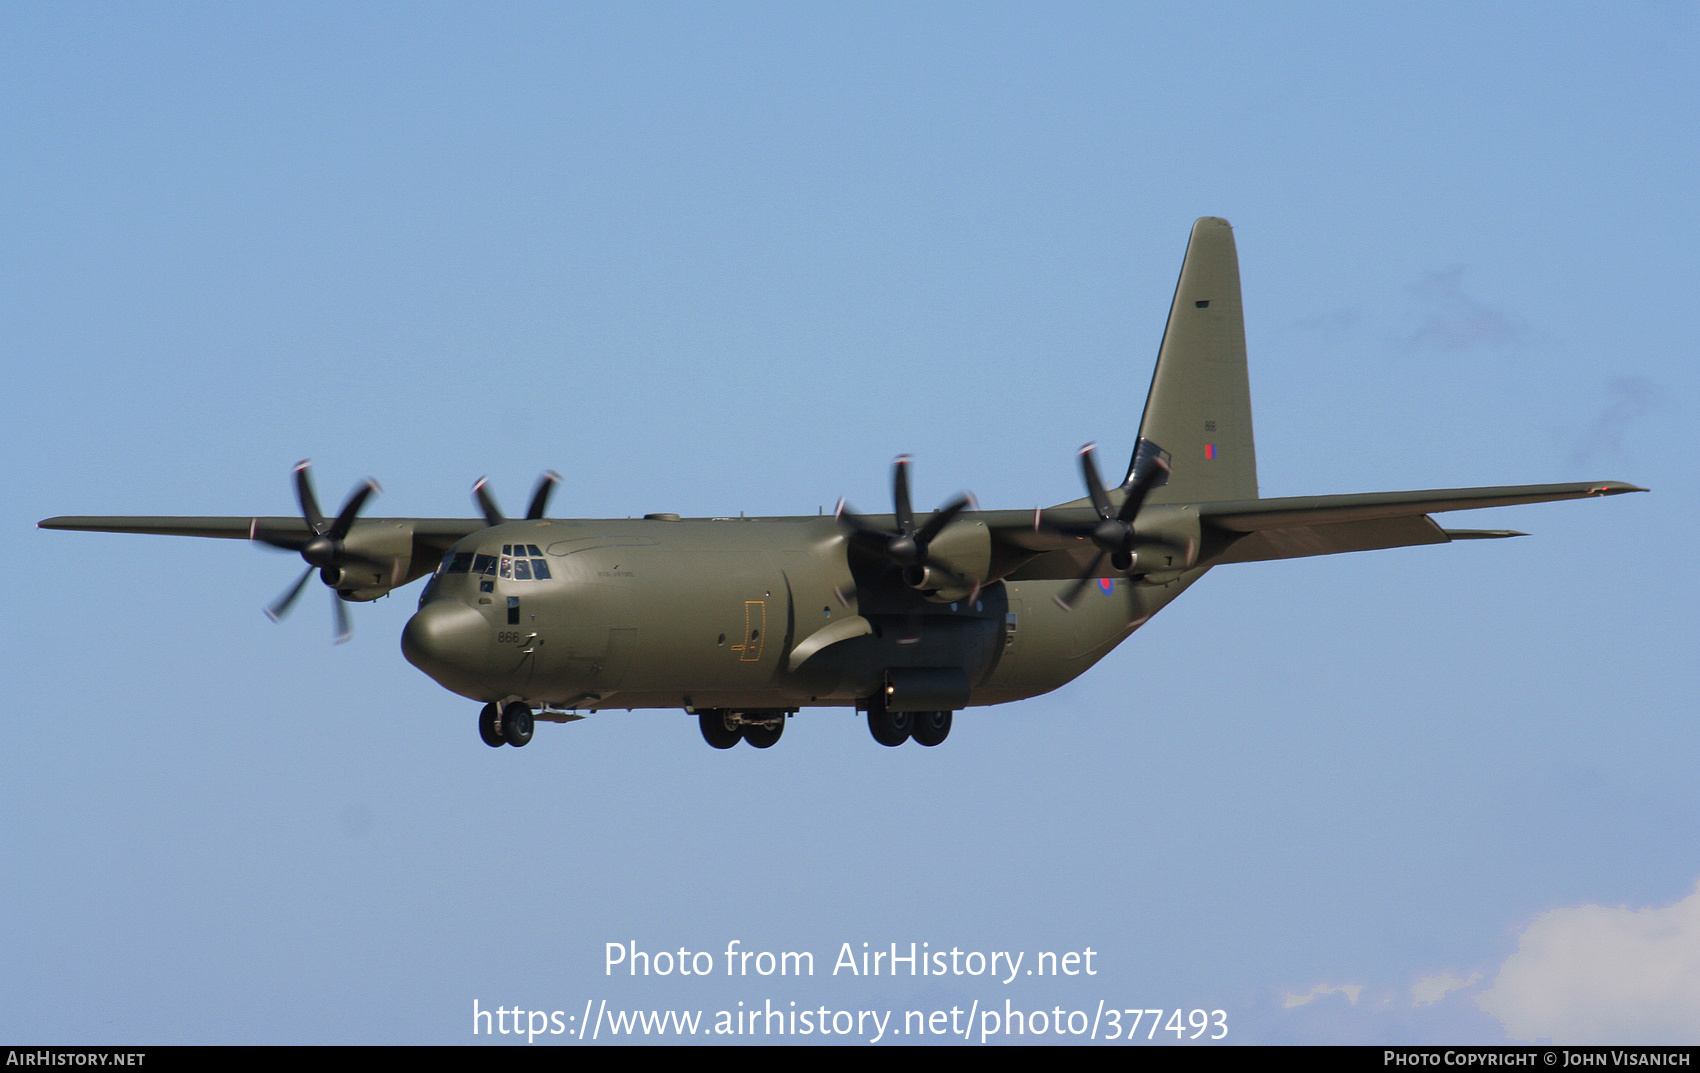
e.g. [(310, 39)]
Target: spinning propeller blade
[(1113, 533), (907, 548), (322, 547), (539, 498)]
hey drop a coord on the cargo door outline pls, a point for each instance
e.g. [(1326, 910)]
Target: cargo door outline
[(755, 630)]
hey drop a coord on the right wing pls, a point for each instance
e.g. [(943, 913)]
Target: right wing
[(1251, 530)]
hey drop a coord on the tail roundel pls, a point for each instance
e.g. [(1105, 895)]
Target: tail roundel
[(1199, 408)]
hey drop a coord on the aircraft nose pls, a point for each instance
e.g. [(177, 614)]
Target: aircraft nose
[(443, 636)]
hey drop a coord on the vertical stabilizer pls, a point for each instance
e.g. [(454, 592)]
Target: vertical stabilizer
[(1199, 408)]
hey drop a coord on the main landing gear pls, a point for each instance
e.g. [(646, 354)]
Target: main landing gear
[(510, 725), (895, 728), (723, 729)]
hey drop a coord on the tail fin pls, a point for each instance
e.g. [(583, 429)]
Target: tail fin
[(1199, 408)]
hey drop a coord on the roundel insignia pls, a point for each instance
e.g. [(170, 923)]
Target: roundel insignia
[(1106, 584)]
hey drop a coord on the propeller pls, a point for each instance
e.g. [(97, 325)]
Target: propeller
[(322, 546), (539, 499), (1113, 532), (907, 548)]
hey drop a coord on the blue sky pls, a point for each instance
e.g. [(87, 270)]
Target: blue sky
[(735, 257)]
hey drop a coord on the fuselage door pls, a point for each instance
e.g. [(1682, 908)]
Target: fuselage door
[(755, 632)]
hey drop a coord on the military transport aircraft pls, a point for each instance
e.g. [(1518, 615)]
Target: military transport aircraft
[(746, 621)]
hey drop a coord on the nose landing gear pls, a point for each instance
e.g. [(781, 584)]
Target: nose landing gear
[(510, 725), (490, 726)]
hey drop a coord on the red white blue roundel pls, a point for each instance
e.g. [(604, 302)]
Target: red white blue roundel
[(1106, 584)]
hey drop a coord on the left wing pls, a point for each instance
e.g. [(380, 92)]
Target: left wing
[(439, 533)]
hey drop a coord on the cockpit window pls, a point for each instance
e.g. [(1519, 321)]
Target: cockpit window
[(518, 562), (461, 563)]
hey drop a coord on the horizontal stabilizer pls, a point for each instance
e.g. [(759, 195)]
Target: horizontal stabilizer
[(1481, 534)]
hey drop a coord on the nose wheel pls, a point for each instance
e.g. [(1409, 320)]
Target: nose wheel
[(512, 725), (490, 726)]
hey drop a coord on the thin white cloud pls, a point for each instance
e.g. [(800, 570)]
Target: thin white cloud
[(1351, 991), (1592, 974), (1431, 989)]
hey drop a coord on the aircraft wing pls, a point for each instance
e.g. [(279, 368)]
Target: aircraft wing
[(1252, 515), (1326, 525), (1252, 530), (1232, 532), (439, 533)]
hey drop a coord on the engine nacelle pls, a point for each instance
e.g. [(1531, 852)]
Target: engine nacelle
[(1168, 544), (377, 557), (965, 550)]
